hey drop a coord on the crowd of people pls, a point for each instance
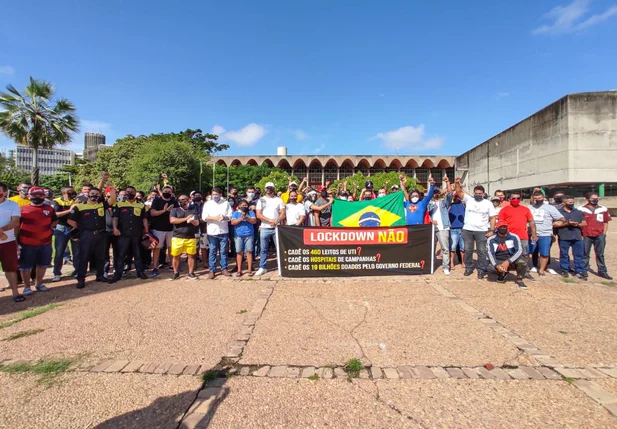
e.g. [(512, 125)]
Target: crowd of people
[(111, 230)]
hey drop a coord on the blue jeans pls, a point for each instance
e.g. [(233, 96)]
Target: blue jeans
[(61, 243), (264, 241), (578, 251), (217, 243), (456, 240)]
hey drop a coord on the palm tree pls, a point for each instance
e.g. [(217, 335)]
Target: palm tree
[(33, 120)]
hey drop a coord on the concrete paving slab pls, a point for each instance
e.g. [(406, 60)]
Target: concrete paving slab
[(102, 401), (386, 324)]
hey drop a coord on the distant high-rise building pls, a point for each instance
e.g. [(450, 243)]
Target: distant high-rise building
[(93, 142), (50, 160)]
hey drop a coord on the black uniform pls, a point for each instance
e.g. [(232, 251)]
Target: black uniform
[(62, 238), (90, 220), (131, 225)]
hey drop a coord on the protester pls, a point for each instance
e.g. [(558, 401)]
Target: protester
[(438, 210), (35, 233), (505, 252), (479, 225), (519, 219), (89, 218), (501, 197), (9, 221), (129, 226), (243, 221), (415, 208), (294, 211), (161, 227), (323, 208), (594, 233), (271, 212), (22, 196), (250, 194), (197, 204), (382, 192), (292, 187), (368, 193), (185, 221), (497, 204), (310, 207), (49, 196), (558, 200), (456, 215), (140, 197), (571, 236), (544, 216), (62, 206), (217, 213), (112, 240)]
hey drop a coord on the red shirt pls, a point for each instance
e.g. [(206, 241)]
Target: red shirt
[(596, 218), (517, 219), (35, 225)]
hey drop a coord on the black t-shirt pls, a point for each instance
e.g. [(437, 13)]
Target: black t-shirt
[(161, 222), (61, 205), (502, 253), (185, 229), (571, 232), (199, 209)]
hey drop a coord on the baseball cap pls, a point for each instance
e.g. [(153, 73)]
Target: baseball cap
[(36, 190), (293, 183), (502, 223), (312, 191), (321, 188), (269, 185), (394, 187)]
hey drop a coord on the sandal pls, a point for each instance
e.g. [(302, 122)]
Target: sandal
[(19, 298), (238, 274), (251, 274)]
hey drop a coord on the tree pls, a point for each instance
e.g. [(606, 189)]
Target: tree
[(11, 175), (55, 182), (35, 121), (240, 176), (379, 181), (280, 180)]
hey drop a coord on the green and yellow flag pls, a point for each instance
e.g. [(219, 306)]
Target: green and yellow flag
[(384, 211)]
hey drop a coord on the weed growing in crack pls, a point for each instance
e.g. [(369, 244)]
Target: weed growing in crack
[(563, 332), (209, 375), (353, 367), (242, 311), (568, 280), (569, 380), (22, 334), (28, 314), (609, 283), (47, 370), (314, 377)]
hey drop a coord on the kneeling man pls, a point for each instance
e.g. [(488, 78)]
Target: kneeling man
[(505, 252)]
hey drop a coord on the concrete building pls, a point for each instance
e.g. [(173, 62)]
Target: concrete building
[(93, 142), (50, 160), (570, 145), (321, 168)]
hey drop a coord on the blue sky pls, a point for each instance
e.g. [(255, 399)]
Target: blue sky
[(320, 77)]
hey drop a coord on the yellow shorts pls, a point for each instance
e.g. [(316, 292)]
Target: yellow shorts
[(180, 245)]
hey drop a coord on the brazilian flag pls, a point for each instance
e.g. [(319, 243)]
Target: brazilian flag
[(384, 211)]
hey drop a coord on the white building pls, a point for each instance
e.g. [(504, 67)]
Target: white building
[(50, 160)]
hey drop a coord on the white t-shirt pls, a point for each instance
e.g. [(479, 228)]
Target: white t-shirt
[(8, 209), (437, 216), (213, 209), (309, 213), (293, 213), (270, 208), (477, 214)]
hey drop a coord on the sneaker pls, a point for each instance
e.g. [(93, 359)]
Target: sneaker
[(81, 285), (565, 274), (175, 276), (192, 276), (226, 273), (533, 270), (481, 274), (56, 279), (551, 271), (605, 276), (27, 292), (446, 271), (501, 278), (155, 272), (261, 272), (142, 275), (468, 273), (211, 275), (42, 288), (170, 268), (581, 276), (521, 284), (529, 277)]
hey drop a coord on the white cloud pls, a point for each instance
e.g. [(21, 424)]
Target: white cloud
[(300, 135), (320, 148), (408, 138), (218, 130), (247, 136), (571, 18), (7, 70), (500, 95)]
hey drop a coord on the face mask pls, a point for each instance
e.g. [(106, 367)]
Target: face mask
[(515, 203), (130, 196), (502, 231), (501, 198), (94, 198), (234, 193), (23, 191), (342, 198), (570, 206), (167, 195), (558, 200), (71, 195), (37, 200), (313, 197), (350, 199), (269, 191), (380, 195), (539, 202), (478, 197), (293, 200), (197, 200), (216, 198), (415, 199), (138, 199), (457, 201), (121, 197), (437, 196), (250, 195), (184, 203), (49, 194), (593, 202)]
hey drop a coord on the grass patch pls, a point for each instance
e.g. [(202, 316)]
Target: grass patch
[(569, 380), (609, 283), (353, 367), (242, 311), (209, 375), (22, 334), (314, 377), (46, 370), (29, 314), (563, 332), (568, 280)]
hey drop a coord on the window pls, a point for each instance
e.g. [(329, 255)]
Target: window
[(422, 175), (315, 174), (331, 172), (346, 170), (362, 169)]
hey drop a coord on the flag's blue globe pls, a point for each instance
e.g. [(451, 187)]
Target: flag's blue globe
[(369, 219)]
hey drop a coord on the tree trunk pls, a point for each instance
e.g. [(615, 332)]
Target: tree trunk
[(34, 174)]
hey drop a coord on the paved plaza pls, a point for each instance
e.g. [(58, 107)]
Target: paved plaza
[(431, 351)]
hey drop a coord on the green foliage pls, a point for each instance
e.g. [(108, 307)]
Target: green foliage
[(209, 375), (29, 314), (240, 176), (34, 120), (279, 178), (314, 377), (11, 175), (353, 367), (55, 182), (379, 180), (22, 334), (47, 370)]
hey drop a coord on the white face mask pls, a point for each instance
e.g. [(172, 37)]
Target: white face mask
[(250, 195), (343, 198), (415, 199), (381, 195), (350, 199)]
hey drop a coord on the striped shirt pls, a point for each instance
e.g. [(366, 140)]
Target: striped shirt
[(35, 225)]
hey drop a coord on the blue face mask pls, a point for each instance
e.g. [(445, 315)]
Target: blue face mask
[(478, 197)]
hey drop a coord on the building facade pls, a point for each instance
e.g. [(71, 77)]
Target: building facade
[(93, 142), (50, 160), (322, 168)]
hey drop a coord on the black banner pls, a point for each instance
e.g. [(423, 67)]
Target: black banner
[(344, 252)]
